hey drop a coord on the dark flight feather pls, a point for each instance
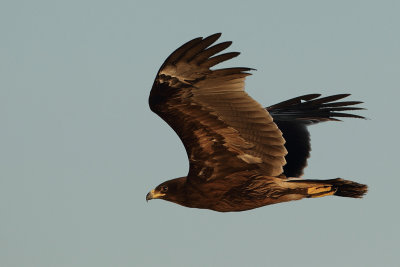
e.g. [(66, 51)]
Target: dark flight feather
[(294, 115)]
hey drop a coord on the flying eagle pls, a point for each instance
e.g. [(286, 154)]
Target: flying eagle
[(242, 156)]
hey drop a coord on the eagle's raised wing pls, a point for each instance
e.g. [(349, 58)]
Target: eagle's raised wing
[(222, 128)]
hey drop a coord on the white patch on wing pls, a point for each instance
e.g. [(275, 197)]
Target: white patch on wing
[(249, 158)]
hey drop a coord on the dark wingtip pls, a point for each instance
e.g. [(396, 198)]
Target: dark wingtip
[(214, 36), (315, 108), (346, 115)]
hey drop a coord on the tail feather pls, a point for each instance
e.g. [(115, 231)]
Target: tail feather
[(347, 188), (337, 187)]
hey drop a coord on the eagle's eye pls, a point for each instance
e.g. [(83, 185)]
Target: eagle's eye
[(164, 189)]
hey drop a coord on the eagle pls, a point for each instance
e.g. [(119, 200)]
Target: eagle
[(241, 155)]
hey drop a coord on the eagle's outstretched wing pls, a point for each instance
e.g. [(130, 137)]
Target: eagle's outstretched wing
[(222, 128)]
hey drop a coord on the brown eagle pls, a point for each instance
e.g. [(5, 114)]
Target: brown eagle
[(242, 156)]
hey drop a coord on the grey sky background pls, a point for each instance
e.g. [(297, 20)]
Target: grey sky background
[(79, 147)]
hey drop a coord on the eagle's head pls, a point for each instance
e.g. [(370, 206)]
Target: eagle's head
[(171, 190)]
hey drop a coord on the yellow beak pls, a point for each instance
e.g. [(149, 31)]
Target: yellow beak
[(153, 194)]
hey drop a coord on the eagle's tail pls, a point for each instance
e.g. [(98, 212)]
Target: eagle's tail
[(337, 187)]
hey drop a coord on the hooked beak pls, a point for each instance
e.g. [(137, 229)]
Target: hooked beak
[(153, 194)]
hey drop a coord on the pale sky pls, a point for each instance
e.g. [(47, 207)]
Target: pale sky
[(80, 147)]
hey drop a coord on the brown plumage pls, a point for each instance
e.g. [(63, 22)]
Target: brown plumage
[(240, 153)]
